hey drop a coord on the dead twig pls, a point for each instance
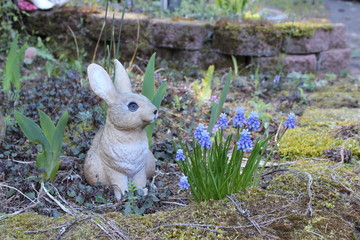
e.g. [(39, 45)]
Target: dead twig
[(98, 41), (40, 193), (65, 228), (175, 203), (108, 226), (136, 44), (336, 166), (309, 184), (207, 227), (245, 213), (65, 209), (14, 188)]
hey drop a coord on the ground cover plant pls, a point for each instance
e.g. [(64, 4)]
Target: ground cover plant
[(306, 188)]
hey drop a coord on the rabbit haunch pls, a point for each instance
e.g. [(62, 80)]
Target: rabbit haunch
[(119, 152)]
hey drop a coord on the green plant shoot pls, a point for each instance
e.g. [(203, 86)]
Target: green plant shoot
[(148, 90), (216, 107), (12, 67), (203, 89), (49, 136)]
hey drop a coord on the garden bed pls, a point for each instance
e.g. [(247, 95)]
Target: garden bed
[(283, 193)]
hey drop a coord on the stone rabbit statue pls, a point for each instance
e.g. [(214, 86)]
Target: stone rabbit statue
[(119, 152)]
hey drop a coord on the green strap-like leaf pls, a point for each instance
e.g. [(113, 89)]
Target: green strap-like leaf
[(10, 63), (47, 125), (31, 130), (159, 95), (149, 81), (54, 169), (215, 111), (59, 133)]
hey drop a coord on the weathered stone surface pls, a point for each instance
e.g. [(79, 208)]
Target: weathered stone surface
[(190, 41), (188, 35), (132, 25), (246, 40), (319, 42), (301, 63), (338, 36), (203, 59), (57, 23), (292, 63), (334, 61)]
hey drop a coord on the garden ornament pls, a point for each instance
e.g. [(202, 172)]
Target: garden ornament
[(40, 4), (119, 152)]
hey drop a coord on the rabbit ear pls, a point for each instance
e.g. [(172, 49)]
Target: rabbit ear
[(101, 83), (122, 81)]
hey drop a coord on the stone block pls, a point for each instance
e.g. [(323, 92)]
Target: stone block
[(132, 24), (338, 36), (241, 39), (187, 35), (318, 42), (334, 61), (291, 63), (203, 58)]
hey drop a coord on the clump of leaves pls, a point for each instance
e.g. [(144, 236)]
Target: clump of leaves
[(49, 136), (136, 202)]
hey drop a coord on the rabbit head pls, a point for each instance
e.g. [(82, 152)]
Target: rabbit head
[(126, 110)]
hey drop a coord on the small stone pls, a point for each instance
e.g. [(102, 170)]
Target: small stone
[(30, 55), (334, 61)]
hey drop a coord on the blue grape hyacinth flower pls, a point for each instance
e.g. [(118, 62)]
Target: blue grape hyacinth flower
[(276, 79), (290, 121), (205, 141), (184, 183), (239, 119), (253, 121), (198, 131), (223, 121), (180, 155), (245, 143)]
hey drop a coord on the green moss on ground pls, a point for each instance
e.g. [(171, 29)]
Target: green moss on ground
[(317, 132), (281, 208)]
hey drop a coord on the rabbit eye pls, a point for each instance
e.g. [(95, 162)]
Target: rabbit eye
[(133, 106)]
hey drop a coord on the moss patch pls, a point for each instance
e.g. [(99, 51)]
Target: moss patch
[(293, 29), (280, 208), (317, 133)]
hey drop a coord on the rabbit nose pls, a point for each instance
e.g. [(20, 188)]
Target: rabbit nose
[(155, 112)]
